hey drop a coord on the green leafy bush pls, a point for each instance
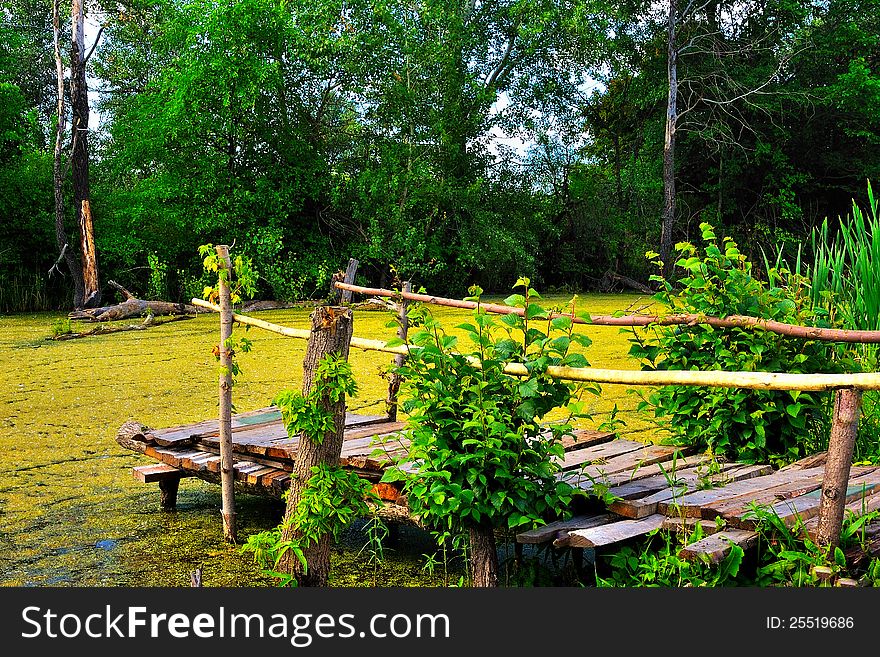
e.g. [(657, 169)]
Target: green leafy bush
[(483, 459), (747, 425)]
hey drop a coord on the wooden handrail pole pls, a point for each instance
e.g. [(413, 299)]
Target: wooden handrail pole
[(402, 330), (844, 428), (227, 470)]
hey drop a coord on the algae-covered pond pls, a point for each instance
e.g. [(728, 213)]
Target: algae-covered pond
[(70, 511)]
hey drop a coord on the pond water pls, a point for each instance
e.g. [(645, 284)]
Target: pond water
[(72, 514)]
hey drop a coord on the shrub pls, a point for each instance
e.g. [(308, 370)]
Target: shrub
[(748, 425), (483, 459)]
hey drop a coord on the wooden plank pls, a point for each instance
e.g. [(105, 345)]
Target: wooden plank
[(736, 506), (559, 528), (859, 507), (648, 455), (601, 452), (612, 533), (581, 438), (638, 488), (692, 503), (717, 546), (256, 477), (663, 500), (574, 478), (807, 506), (688, 525), (156, 472)]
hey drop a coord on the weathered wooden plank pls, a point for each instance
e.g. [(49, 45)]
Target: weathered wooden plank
[(859, 507), (717, 546), (811, 461), (665, 501), (692, 503), (574, 478), (807, 506), (611, 533), (559, 528), (582, 438), (638, 488), (256, 477), (601, 452), (688, 525), (736, 506), (157, 472), (648, 455)]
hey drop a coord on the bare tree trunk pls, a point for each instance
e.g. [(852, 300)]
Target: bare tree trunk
[(332, 328), (227, 471), (63, 243), (79, 101), (484, 558), (837, 468), (669, 209)]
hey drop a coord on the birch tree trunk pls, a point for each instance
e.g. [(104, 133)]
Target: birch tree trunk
[(669, 207), (332, 328), (79, 101), (65, 249)]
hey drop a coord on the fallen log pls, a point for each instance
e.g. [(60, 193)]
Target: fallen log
[(132, 307)]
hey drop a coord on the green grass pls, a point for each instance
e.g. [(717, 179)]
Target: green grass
[(66, 487)]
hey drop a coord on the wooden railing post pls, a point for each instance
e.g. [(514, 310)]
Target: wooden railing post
[(350, 273), (844, 427), (331, 334), (227, 470), (402, 330)]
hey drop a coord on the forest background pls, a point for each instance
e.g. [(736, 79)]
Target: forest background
[(454, 143)]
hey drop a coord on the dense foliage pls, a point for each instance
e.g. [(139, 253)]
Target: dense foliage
[(746, 425), (483, 456), (456, 142)]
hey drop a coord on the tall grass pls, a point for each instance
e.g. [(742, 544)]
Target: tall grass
[(24, 291), (846, 267), (844, 280)]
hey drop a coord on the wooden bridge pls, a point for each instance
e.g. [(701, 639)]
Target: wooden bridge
[(648, 486), (653, 486)]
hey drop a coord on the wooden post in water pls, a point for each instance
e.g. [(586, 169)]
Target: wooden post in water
[(350, 273), (402, 330), (332, 328), (227, 471), (837, 467)]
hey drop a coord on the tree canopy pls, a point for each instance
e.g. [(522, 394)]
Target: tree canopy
[(449, 142)]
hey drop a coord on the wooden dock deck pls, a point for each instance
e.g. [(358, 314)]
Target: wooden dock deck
[(653, 486)]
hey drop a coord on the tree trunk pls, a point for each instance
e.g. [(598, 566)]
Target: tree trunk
[(837, 466), (484, 558), (64, 247), (669, 208), (227, 472), (79, 100), (332, 328)]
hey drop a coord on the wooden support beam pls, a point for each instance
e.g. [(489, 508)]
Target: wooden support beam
[(399, 359), (168, 489), (844, 427), (227, 474)]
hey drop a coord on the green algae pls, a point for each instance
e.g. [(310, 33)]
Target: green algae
[(70, 511)]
